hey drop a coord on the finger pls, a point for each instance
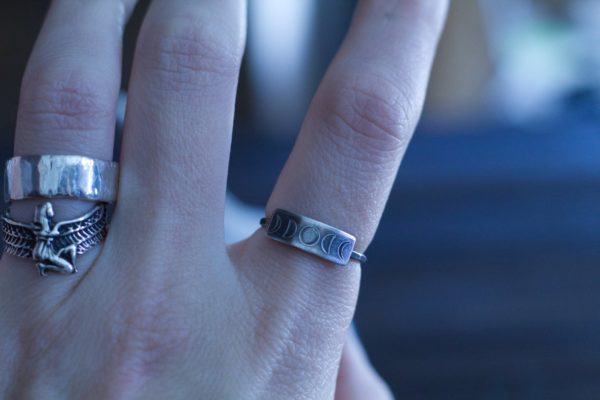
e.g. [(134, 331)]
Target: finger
[(356, 378), (70, 87), (363, 115), (343, 165), (69, 93), (180, 115), (357, 129)]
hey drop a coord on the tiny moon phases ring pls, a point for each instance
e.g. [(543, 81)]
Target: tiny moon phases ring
[(54, 245), (312, 236)]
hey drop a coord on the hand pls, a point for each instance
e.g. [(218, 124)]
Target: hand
[(164, 310)]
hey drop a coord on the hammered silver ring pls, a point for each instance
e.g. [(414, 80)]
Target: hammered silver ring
[(61, 176)]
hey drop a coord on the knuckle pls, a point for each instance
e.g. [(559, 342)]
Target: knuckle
[(65, 102), (370, 112), (316, 312), (151, 334), (37, 346), (190, 52), (288, 342)]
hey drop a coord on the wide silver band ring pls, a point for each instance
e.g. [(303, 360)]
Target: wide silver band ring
[(312, 236), (61, 176)]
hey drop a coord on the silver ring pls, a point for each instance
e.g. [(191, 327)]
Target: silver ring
[(312, 236), (60, 176), (54, 246)]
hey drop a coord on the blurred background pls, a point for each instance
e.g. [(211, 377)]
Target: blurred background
[(484, 279)]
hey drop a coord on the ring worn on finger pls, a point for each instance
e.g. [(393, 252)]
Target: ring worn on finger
[(55, 245), (312, 236)]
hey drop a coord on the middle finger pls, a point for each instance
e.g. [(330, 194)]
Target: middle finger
[(180, 116)]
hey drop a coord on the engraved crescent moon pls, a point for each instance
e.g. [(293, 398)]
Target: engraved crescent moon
[(290, 230), (276, 224), (344, 250), (327, 242)]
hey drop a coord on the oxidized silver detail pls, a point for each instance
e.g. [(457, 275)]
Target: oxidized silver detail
[(54, 246), (60, 176), (312, 236)]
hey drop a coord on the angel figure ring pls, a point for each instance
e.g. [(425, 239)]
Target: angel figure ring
[(54, 246)]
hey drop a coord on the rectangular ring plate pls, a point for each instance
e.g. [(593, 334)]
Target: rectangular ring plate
[(311, 236)]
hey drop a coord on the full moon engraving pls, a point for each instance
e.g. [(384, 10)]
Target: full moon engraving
[(309, 235)]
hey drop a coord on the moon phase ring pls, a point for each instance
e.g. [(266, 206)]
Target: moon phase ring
[(55, 245), (312, 236)]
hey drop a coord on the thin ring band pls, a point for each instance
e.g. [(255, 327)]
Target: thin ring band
[(60, 176), (312, 236)]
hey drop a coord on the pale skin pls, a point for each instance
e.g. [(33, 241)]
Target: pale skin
[(164, 309)]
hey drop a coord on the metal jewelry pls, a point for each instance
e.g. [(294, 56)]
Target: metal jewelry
[(312, 237), (61, 176), (54, 246)]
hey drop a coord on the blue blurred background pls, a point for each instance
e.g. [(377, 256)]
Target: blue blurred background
[(484, 278)]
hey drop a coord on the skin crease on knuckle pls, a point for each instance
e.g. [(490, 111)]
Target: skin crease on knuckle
[(373, 114), (191, 54), (63, 106), (367, 121)]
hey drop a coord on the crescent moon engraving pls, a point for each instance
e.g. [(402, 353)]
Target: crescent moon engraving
[(290, 230), (344, 250), (276, 224), (327, 242), (309, 235)]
